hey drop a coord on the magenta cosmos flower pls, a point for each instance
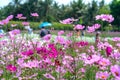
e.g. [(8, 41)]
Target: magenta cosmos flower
[(11, 68), (102, 75), (115, 70), (108, 50), (28, 53)]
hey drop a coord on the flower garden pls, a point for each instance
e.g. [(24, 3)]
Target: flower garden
[(28, 57)]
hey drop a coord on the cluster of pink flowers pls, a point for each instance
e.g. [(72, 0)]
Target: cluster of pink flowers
[(105, 17), (58, 58)]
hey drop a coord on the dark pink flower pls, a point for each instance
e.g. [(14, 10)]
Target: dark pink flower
[(81, 43), (108, 50), (11, 68), (28, 53)]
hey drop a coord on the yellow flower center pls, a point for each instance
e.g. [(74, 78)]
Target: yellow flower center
[(103, 77)]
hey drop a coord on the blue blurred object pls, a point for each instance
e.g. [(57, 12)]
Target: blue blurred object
[(45, 24), (1, 31)]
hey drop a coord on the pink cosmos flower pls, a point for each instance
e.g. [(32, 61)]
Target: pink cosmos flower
[(10, 17), (115, 70), (2, 35), (116, 55), (82, 70), (31, 64), (25, 23), (79, 27), (19, 16), (67, 21), (69, 34), (60, 33), (49, 76), (11, 68), (60, 39), (116, 39), (14, 32), (102, 75), (96, 26), (34, 14), (118, 44), (103, 62), (90, 59), (47, 37), (90, 29), (5, 21)]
